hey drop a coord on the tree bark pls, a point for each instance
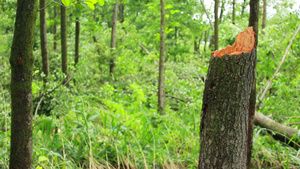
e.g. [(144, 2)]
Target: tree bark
[(233, 11), (43, 36), (222, 11), (121, 9), (161, 83), (64, 50), (253, 21), (224, 118), (282, 132), (113, 37), (21, 61), (264, 14), (217, 2), (77, 33), (55, 30), (243, 7)]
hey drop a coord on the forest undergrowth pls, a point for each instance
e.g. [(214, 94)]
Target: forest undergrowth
[(111, 121)]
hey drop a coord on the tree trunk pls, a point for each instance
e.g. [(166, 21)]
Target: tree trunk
[(55, 30), (226, 103), (253, 21), (113, 37), (64, 51), (121, 9), (161, 83), (205, 39), (243, 7), (264, 14), (77, 33), (217, 2), (233, 11), (222, 11), (21, 61), (43, 36)]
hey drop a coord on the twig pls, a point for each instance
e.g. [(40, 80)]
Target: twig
[(50, 4), (145, 49), (277, 70), (296, 123), (207, 15), (61, 84), (37, 107)]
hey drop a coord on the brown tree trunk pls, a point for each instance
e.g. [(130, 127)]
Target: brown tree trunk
[(161, 80), (243, 7), (233, 11), (225, 108), (113, 37), (264, 14), (21, 61), (55, 30), (43, 36), (253, 21), (217, 3), (121, 9), (64, 51), (77, 33), (224, 123), (222, 11)]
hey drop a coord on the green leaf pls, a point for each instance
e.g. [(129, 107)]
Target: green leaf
[(66, 2), (79, 6), (101, 2), (42, 158), (91, 5)]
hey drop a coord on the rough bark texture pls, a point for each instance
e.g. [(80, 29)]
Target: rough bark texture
[(77, 33), (43, 36), (253, 21), (224, 118), (264, 14), (113, 37), (21, 61), (161, 80), (217, 2), (64, 50)]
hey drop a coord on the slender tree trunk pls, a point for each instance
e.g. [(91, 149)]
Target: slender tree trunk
[(77, 33), (206, 14), (55, 30), (161, 83), (21, 61), (217, 3), (222, 11), (121, 9), (225, 109), (264, 14), (253, 21), (205, 39), (243, 7), (176, 36), (64, 50), (113, 37), (94, 37), (233, 11), (43, 36)]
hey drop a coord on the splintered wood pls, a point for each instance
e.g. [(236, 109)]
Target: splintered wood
[(244, 43)]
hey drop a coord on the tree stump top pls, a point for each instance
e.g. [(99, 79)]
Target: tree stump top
[(244, 43)]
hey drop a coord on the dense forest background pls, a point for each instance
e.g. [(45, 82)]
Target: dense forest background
[(87, 116)]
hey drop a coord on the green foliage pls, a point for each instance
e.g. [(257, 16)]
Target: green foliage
[(111, 121)]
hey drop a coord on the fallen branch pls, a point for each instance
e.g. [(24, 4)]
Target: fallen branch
[(277, 70), (145, 49)]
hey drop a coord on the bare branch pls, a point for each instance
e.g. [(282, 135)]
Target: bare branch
[(277, 70), (145, 49)]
